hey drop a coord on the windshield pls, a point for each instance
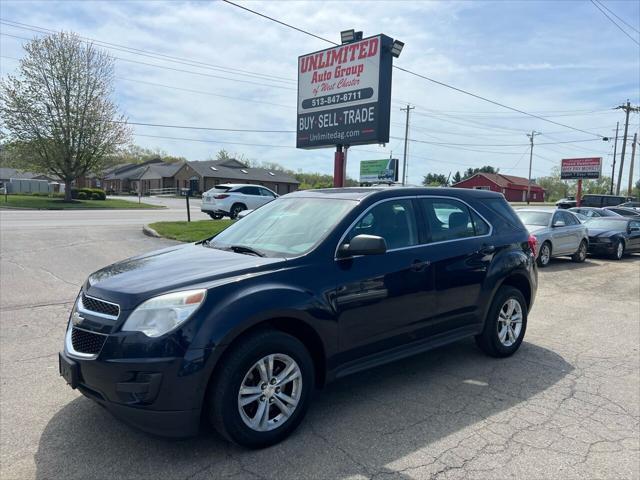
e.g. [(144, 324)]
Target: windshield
[(608, 224), (286, 227), (529, 217)]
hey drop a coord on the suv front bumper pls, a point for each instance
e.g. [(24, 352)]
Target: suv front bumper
[(162, 396)]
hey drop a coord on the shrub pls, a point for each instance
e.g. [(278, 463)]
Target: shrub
[(88, 193), (81, 195)]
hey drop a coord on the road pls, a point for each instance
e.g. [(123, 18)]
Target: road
[(175, 210), (567, 405)]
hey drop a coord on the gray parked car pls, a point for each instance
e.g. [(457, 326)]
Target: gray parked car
[(559, 233)]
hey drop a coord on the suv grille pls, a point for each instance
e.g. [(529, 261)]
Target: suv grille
[(87, 342), (99, 306)]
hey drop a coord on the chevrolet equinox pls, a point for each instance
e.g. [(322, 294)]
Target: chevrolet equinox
[(241, 328)]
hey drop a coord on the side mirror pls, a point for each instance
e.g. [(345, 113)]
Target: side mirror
[(363, 245), (559, 223)]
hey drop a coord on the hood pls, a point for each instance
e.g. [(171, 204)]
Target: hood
[(181, 267), (604, 232)]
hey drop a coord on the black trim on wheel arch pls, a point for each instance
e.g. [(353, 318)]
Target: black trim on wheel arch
[(488, 340)]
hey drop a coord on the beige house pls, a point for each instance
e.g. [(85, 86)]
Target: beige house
[(203, 175)]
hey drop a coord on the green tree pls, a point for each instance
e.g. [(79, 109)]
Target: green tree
[(435, 180), (57, 111), (470, 172), (457, 177)]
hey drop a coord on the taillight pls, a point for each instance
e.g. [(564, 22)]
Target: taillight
[(220, 197), (533, 244)]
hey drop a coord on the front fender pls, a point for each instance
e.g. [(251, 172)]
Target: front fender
[(245, 308)]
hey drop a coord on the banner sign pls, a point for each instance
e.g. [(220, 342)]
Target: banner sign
[(379, 171), (344, 94), (577, 168)]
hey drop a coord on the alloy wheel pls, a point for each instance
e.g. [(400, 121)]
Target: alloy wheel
[(270, 392), (582, 252), (509, 322), (545, 254), (619, 249)]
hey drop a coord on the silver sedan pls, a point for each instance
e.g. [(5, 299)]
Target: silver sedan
[(559, 233)]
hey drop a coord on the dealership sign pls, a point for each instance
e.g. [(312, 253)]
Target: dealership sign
[(344, 94), (579, 168), (379, 171)]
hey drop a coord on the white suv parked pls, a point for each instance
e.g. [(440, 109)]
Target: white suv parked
[(230, 199)]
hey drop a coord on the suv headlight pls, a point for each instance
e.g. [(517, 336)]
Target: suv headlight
[(161, 314)]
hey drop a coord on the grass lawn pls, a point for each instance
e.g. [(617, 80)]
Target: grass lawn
[(190, 231), (46, 203)]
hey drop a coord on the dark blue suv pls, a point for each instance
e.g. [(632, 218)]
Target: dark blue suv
[(241, 328)]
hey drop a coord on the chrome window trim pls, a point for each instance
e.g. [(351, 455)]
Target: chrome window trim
[(412, 197), (82, 309), (68, 344)]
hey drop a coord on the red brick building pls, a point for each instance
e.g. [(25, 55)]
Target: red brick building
[(513, 188)]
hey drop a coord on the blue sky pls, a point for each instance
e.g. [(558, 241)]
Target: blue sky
[(560, 59)]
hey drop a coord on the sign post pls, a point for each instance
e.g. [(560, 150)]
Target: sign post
[(578, 169), (344, 98)]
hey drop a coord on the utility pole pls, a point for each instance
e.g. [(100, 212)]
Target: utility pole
[(628, 109), (531, 136), (406, 140), (633, 154), (613, 168)]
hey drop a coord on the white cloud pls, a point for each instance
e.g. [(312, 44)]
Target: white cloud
[(517, 53)]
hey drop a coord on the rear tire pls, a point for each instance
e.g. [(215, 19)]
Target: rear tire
[(236, 208), (581, 255), (247, 366), (215, 216), (505, 325), (545, 255), (618, 252)]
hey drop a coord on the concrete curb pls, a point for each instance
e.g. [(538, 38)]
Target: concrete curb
[(150, 232)]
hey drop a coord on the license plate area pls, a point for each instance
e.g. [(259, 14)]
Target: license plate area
[(69, 370)]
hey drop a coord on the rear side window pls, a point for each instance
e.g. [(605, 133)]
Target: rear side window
[(451, 220), (393, 220), (249, 190), (504, 211), (266, 193)]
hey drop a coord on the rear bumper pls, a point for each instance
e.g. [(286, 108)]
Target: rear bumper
[(213, 209)]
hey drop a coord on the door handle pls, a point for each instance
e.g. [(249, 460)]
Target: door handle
[(487, 249), (419, 265)]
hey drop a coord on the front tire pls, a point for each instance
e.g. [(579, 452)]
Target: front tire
[(618, 251), (580, 255), (262, 390), (505, 325), (545, 255)]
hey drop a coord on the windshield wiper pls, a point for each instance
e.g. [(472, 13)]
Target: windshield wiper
[(246, 250)]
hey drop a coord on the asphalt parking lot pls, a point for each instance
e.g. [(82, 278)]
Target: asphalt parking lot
[(566, 406)]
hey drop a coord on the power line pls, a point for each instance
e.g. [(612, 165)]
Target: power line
[(147, 53), (187, 127), (212, 141), (496, 144), (280, 22), (615, 23), (437, 82), (191, 72), (614, 14)]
